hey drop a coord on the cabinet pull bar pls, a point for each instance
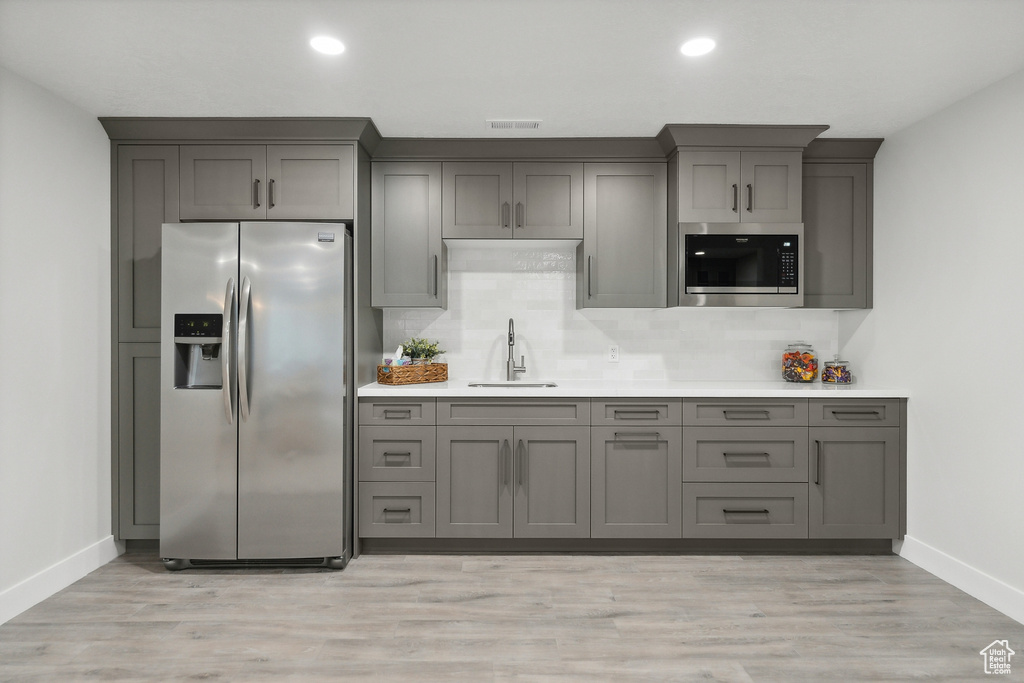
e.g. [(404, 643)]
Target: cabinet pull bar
[(623, 414), (740, 511), (402, 413), (735, 198), (590, 275), (270, 194), (519, 461), (506, 451), (765, 415), (837, 413), (817, 462), (504, 215), (519, 214), (656, 435), (405, 510), (746, 455), (390, 454), (435, 274), (256, 193), (750, 198)]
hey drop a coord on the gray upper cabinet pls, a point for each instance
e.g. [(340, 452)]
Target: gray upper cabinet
[(409, 258), (278, 182), (836, 236), (622, 260), (739, 186), (502, 200), (854, 490), (147, 197)]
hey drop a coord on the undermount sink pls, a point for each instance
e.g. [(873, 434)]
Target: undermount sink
[(514, 385)]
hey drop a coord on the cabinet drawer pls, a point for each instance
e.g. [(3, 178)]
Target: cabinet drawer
[(513, 411), (636, 412), (759, 412), (397, 411), (744, 511), (866, 411), (402, 509), (397, 453), (745, 454)]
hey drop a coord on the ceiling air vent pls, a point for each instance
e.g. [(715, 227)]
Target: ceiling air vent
[(512, 124)]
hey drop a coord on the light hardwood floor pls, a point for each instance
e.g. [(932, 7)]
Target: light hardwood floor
[(534, 617)]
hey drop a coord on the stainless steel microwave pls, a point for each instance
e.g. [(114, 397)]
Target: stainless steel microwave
[(741, 264)]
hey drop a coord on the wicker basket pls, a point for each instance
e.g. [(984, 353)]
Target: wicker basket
[(412, 374)]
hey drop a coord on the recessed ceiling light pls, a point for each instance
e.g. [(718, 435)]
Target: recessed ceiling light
[(327, 45), (697, 47)]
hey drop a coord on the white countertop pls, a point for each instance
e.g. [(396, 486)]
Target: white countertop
[(636, 389)]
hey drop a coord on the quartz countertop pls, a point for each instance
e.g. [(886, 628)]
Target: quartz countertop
[(635, 389)]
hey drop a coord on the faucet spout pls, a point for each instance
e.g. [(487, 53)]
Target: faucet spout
[(511, 369)]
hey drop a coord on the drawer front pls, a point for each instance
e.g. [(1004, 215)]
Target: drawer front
[(396, 509), (636, 412), (744, 511), (396, 411), (511, 411), (745, 454), (397, 453), (754, 412), (858, 411)]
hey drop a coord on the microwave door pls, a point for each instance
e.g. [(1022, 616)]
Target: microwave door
[(731, 264)]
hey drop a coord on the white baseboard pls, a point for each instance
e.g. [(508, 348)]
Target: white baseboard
[(37, 588), (991, 591)]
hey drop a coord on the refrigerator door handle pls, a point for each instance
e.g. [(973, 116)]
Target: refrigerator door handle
[(225, 351), (243, 349)]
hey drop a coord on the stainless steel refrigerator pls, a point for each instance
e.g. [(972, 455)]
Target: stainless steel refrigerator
[(255, 399)]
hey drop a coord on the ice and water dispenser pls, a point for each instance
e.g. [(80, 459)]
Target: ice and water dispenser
[(198, 343)]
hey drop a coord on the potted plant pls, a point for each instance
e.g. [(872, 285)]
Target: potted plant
[(422, 350)]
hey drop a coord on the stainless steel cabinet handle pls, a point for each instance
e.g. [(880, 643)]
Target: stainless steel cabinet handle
[(243, 348), (750, 197), (405, 511), (624, 414), (256, 193), (520, 448), (506, 452), (817, 462), (764, 414), (859, 413), (741, 511), (400, 413), (619, 435), (590, 274), (270, 194), (406, 454), (435, 274), (505, 210), (747, 455), (225, 350), (735, 198), (519, 214)]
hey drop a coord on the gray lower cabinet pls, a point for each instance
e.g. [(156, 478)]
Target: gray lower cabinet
[(409, 259), (504, 481), (622, 260), (745, 454), (636, 482), (397, 453), (854, 489), (719, 510), (274, 182), (138, 441), (396, 509), (837, 237)]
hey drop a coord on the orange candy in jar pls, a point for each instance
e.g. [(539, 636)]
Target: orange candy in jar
[(799, 363)]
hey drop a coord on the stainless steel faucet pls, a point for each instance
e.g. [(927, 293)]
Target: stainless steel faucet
[(511, 369)]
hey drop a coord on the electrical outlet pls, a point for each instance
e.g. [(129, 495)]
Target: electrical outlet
[(613, 354)]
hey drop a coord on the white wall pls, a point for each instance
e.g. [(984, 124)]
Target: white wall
[(536, 285), (948, 323), (54, 344)]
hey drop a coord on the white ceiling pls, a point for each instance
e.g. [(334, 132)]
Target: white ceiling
[(440, 68)]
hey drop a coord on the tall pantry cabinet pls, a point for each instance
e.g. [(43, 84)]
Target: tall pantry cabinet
[(246, 169)]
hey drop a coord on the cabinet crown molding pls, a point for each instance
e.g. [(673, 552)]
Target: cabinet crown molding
[(733, 135)]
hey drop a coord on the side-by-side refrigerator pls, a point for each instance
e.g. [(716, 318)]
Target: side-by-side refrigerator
[(255, 394)]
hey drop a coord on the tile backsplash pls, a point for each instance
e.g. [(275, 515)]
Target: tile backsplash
[(536, 285)]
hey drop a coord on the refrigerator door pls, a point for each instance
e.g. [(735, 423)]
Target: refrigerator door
[(291, 364), (198, 437)]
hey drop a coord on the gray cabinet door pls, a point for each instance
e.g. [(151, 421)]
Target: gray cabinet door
[(547, 200), (477, 200), (771, 187), (409, 259), (622, 260), (315, 182), (709, 187), (552, 482), (474, 482), (854, 490), (636, 482), (745, 454), (223, 182), (147, 197), (138, 441), (837, 258)]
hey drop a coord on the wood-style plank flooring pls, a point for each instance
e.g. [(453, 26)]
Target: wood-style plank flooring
[(494, 618)]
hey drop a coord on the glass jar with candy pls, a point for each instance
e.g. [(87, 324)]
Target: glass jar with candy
[(799, 363)]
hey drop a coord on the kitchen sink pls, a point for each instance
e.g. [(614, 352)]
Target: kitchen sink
[(514, 385)]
